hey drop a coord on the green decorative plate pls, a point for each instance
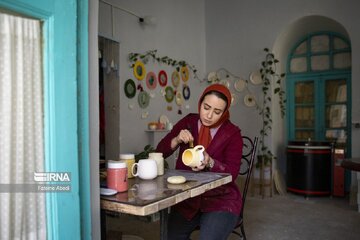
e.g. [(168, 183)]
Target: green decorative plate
[(169, 94), (130, 88), (143, 99)]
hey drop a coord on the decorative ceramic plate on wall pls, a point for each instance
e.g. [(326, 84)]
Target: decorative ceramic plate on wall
[(130, 88), (175, 78), (164, 119), (184, 73), (162, 77), (239, 85), (234, 99), (225, 82), (151, 80), (169, 94), (255, 78), (139, 70), (186, 92), (143, 99), (212, 77), (179, 98), (249, 100)]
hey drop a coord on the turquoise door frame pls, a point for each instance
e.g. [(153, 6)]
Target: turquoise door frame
[(65, 33)]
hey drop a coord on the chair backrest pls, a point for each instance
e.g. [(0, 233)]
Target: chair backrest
[(247, 163)]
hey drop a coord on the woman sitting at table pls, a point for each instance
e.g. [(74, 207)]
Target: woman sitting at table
[(215, 211)]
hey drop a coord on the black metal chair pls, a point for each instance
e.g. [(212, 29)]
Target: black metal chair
[(247, 163)]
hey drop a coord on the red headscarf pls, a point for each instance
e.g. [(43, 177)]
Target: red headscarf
[(204, 134)]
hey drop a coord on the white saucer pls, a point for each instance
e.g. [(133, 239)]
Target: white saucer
[(107, 191)]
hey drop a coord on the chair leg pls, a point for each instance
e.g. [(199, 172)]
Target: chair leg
[(243, 237)]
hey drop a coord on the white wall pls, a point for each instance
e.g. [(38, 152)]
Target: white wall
[(237, 31), (212, 34), (178, 32)]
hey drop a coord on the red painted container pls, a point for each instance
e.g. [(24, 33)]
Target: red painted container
[(117, 176)]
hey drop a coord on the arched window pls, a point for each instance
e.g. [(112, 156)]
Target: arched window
[(318, 87)]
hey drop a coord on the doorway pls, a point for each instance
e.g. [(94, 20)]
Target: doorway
[(109, 99)]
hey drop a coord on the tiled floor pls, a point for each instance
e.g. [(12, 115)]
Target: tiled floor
[(279, 217)]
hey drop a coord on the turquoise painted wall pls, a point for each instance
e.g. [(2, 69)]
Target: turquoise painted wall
[(66, 107)]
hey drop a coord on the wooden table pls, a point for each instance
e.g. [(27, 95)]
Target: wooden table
[(353, 164), (146, 197)]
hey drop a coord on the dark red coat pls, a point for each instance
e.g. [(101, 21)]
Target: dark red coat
[(226, 149)]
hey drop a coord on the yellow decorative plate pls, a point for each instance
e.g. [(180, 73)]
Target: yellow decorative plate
[(184, 73), (139, 70)]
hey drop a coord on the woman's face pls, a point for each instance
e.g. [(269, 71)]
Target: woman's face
[(211, 109)]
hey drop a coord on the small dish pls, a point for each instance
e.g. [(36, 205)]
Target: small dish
[(152, 125), (151, 80), (239, 85), (255, 78), (139, 70), (184, 73), (164, 119), (212, 77), (225, 82), (169, 94), (162, 78), (249, 100), (234, 99), (186, 92), (175, 78), (143, 99), (179, 98), (129, 88), (107, 191)]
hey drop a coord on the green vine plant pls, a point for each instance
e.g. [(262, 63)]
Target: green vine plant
[(271, 86), (152, 54)]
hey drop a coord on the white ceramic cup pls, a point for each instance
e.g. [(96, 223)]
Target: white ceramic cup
[(145, 169), (193, 157)]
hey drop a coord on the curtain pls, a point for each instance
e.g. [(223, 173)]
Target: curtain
[(22, 213)]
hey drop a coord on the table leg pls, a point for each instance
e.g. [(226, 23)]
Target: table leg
[(103, 224), (164, 215), (358, 190)]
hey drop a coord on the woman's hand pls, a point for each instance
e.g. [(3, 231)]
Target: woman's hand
[(184, 136), (204, 163)]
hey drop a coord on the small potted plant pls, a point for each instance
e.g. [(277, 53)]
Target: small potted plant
[(271, 86)]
